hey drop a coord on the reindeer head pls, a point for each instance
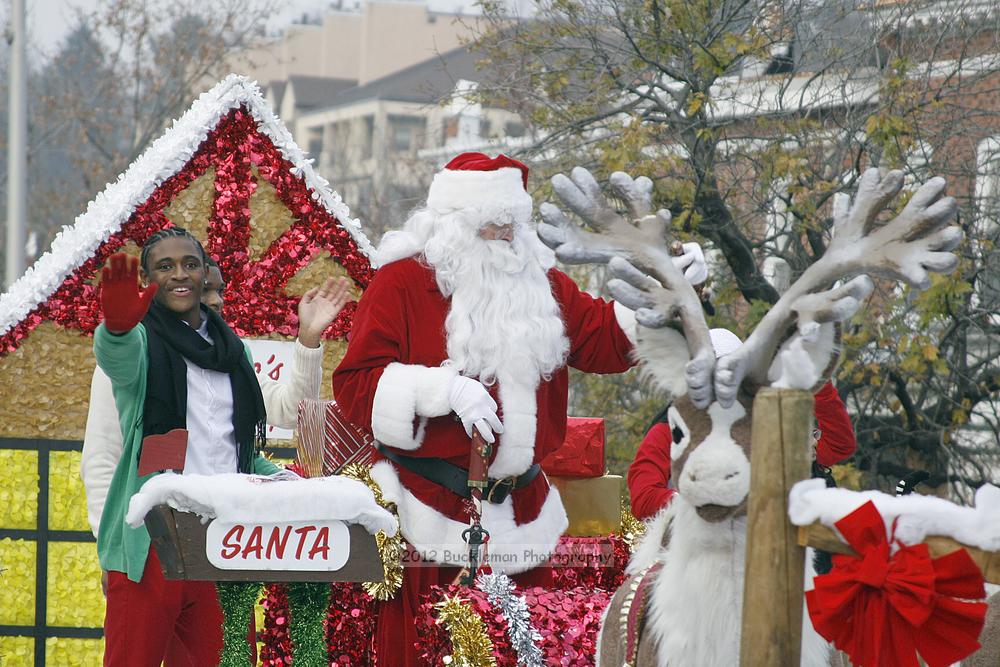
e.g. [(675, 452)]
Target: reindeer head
[(796, 344)]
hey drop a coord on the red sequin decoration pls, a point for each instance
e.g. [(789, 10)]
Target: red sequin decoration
[(587, 573), (350, 627), (567, 620), (590, 562), (256, 304)]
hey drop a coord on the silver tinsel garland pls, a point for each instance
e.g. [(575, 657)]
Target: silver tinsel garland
[(499, 590)]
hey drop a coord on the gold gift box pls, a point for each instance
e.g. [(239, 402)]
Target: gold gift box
[(593, 504)]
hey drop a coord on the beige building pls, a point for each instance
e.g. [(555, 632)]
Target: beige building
[(377, 96), (376, 39), (380, 143)]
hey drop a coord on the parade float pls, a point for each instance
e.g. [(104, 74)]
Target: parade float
[(229, 171)]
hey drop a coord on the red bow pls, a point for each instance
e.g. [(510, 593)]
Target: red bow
[(883, 609)]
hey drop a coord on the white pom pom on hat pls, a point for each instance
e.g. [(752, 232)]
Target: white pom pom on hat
[(724, 341), (495, 189)]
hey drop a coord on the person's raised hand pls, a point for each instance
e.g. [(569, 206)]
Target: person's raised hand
[(319, 307), (122, 302), (692, 263)]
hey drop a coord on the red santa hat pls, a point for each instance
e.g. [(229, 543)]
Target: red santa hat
[(495, 188)]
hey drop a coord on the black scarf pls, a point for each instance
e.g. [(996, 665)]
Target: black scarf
[(170, 341)]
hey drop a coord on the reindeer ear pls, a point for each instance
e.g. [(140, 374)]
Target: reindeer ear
[(807, 360), (664, 355)]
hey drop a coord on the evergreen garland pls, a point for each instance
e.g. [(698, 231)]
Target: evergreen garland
[(237, 599), (307, 609)]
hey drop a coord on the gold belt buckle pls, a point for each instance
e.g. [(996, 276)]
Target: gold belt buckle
[(510, 479)]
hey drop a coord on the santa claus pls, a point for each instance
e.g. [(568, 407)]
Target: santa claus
[(467, 324)]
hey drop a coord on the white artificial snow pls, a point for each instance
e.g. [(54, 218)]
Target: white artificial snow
[(919, 516), (255, 499), (166, 156)]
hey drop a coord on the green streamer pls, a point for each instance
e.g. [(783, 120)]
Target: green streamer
[(237, 599), (308, 604)]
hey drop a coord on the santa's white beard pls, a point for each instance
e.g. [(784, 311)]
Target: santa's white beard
[(503, 317)]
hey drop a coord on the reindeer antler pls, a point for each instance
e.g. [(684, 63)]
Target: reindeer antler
[(915, 242), (658, 292)]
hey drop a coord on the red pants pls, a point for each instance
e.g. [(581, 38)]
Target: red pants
[(178, 623), (395, 633)]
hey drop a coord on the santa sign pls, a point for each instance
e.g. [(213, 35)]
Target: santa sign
[(288, 545)]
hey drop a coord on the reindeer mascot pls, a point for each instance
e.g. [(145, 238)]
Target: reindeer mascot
[(683, 602)]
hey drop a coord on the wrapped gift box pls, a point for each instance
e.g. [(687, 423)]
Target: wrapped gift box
[(582, 452), (593, 505), (329, 441)]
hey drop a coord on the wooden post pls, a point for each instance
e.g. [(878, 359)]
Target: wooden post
[(775, 563)]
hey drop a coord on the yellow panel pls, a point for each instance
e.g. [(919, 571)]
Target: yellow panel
[(192, 207), (18, 489), (74, 591), (269, 217), (67, 499), (17, 651), (46, 385), (74, 652), (321, 267), (17, 558)]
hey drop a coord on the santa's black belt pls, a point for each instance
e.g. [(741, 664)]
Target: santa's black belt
[(456, 478)]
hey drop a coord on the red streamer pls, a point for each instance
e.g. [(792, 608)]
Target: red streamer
[(256, 304)]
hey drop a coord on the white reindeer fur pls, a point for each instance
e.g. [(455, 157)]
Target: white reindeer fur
[(694, 613), (697, 598)]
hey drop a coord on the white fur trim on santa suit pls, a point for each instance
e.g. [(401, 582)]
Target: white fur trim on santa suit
[(626, 321), (512, 548), (516, 449), (497, 196), (406, 392)]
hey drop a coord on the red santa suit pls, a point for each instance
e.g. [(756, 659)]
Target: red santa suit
[(394, 379), (391, 380), (649, 475)]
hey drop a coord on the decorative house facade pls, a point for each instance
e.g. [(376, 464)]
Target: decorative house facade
[(229, 171)]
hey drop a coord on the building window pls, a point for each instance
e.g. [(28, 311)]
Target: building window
[(513, 128), (314, 139), (988, 184), (405, 133), (368, 138)]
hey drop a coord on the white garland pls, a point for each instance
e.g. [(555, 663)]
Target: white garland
[(166, 156), (523, 636)]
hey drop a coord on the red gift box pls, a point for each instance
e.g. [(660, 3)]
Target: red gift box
[(329, 441), (582, 452)]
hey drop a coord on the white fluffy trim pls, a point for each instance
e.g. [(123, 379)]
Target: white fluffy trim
[(626, 320), (406, 392), (663, 353), (516, 448), (512, 548), (650, 548), (496, 195), (110, 209)]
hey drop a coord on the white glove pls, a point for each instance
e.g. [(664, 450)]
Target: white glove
[(692, 263), (475, 407)]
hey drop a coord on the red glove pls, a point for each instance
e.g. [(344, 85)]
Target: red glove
[(122, 303)]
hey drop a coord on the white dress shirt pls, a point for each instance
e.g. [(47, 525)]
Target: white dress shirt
[(211, 446)]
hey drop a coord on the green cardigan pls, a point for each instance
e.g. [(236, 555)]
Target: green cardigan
[(124, 359)]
